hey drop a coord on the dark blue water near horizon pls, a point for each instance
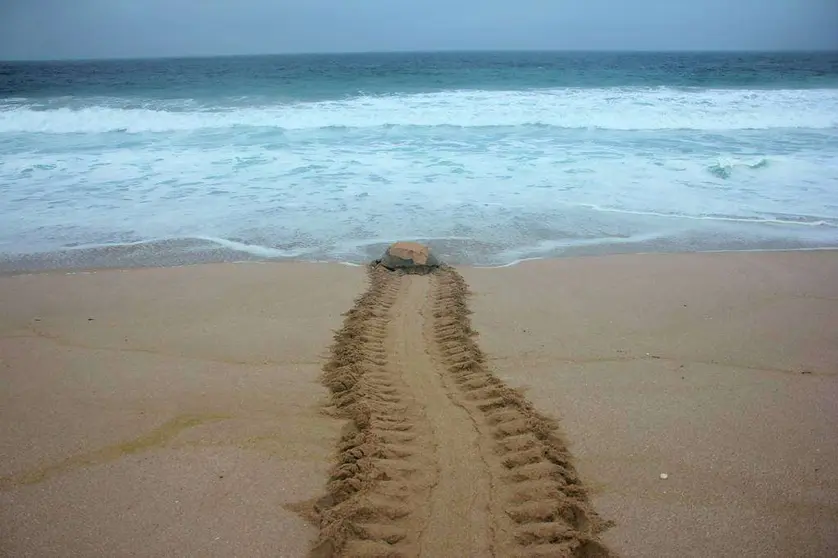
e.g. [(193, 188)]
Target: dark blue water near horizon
[(335, 76)]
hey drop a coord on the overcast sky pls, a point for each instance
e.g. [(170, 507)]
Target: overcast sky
[(148, 28)]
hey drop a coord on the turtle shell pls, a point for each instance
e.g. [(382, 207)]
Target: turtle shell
[(411, 257)]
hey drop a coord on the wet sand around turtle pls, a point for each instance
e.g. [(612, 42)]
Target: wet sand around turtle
[(311, 409)]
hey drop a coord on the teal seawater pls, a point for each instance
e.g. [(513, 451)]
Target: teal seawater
[(490, 157)]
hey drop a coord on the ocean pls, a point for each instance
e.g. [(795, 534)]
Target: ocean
[(489, 157)]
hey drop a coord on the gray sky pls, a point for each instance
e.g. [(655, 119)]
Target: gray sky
[(146, 28)]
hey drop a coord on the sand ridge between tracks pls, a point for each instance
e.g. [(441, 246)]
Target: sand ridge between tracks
[(439, 457)]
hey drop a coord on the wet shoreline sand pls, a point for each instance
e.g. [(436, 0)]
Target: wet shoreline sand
[(181, 411)]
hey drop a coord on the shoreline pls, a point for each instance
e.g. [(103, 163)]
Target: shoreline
[(9, 270)]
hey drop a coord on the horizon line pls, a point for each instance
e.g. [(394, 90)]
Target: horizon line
[(425, 51)]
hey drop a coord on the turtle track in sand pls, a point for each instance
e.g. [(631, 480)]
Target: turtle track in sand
[(440, 458)]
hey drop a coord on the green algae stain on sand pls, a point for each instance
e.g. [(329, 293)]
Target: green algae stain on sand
[(157, 438)]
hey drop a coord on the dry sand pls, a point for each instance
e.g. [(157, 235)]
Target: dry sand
[(720, 370), (179, 421), (180, 411)]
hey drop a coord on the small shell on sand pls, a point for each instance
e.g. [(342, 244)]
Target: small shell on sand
[(664, 476)]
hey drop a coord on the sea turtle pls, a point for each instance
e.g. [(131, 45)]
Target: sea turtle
[(411, 257)]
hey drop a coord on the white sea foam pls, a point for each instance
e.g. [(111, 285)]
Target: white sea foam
[(253, 249), (609, 108), (494, 177)]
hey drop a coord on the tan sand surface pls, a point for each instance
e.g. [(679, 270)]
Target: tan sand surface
[(165, 412), (720, 370), (181, 411), (439, 458)]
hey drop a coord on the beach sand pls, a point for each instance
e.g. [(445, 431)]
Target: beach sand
[(180, 411), (166, 412), (719, 370)]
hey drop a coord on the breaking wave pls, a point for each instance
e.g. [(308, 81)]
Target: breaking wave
[(574, 108)]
